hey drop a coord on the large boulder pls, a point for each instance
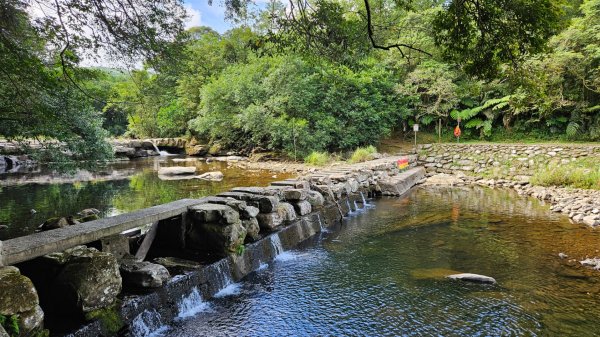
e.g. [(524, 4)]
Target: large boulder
[(252, 229), (302, 207), (216, 229), (269, 221), (19, 299), (315, 198), (196, 150), (287, 211), (89, 279), (143, 274)]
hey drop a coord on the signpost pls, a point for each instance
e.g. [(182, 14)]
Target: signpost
[(416, 129)]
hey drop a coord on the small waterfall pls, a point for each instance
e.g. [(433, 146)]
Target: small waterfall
[(191, 304), (321, 223), (148, 324), (364, 200), (166, 154), (355, 206), (349, 208), (226, 285), (276, 245), (155, 147)]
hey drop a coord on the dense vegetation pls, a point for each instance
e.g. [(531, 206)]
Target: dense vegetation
[(321, 75)]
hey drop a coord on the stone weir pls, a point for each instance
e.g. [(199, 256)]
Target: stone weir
[(131, 274)]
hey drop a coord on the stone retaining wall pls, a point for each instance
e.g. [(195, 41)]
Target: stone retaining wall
[(508, 161)]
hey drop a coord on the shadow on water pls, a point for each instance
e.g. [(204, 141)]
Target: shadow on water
[(383, 274), (118, 188)]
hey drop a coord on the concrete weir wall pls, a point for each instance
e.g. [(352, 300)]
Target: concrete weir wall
[(114, 277)]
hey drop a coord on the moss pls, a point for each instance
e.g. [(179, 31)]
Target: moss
[(39, 333), (10, 324), (109, 318), (240, 250)]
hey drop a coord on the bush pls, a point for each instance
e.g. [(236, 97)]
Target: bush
[(363, 154), (317, 158), (582, 173)]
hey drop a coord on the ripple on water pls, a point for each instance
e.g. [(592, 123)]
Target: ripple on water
[(384, 274)]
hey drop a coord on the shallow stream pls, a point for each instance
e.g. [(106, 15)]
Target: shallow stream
[(383, 274)]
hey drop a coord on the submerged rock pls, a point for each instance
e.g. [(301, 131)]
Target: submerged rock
[(212, 176), (143, 274), (476, 278)]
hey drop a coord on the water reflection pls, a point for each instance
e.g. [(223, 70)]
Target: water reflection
[(383, 274), (118, 188)]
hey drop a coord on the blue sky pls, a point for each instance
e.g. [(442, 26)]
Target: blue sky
[(204, 15)]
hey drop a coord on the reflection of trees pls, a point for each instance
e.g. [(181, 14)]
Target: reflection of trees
[(52, 200)]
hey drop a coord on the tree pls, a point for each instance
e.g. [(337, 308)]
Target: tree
[(42, 86)]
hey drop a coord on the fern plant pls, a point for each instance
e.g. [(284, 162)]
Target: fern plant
[(482, 117)]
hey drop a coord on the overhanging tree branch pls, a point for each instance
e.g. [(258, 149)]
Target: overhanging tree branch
[(374, 44)]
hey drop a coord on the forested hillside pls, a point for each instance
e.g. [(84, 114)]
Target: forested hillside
[(301, 76)]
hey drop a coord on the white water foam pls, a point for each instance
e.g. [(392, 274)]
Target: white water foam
[(229, 290), (276, 245), (192, 304), (148, 324), (166, 154), (262, 266), (286, 256)]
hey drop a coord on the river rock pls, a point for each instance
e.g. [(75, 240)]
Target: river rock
[(3, 227), (196, 150), (295, 194), (89, 279), (591, 220), (302, 207), (177, 265), (143, 274), (212, 176), (315, 198), (269, 221), (19, 297), (216, 238), (252, 229), (57, 222), (287, 211), (177, 170), (214, 213), (476, 278), (265, 203), (88, 212)]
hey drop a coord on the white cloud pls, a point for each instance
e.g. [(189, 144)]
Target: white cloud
[(194, 17)]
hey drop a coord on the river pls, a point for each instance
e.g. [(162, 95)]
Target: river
[(116, 188), (383, 274)]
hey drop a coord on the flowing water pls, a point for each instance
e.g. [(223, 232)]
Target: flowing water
[(383, 274), (117, 188)]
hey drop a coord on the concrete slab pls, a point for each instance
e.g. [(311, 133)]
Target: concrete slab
[(38, 244)]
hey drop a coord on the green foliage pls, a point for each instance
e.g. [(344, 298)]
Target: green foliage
[(581, 173), (10, 324), (316, 158), (290, 104), (362, 154)]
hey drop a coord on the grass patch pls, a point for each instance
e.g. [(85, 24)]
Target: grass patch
[(581, 173), (316, 158), (363, 154)]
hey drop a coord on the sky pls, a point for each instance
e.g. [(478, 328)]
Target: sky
[(201, 14)]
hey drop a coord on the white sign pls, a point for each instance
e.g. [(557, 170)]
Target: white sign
[(415, 127)]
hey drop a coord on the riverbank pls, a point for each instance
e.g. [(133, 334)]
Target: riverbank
[(513, 166)]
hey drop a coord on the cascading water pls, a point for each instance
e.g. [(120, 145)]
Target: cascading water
[(148, 324), (364, 201), (356, 206), (226, 285), (276, 245), (349, 208), (191, 304)]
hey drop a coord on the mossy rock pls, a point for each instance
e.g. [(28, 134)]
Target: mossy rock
[(88, 218), (110, 318), (215, 149)]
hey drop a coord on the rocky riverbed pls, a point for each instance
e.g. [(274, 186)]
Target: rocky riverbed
[(582, 206)]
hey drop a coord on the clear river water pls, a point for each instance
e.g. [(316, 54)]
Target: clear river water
[(383, 274), (117, 188)]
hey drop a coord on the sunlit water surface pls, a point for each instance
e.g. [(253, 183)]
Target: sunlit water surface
[(383, 273), (117, 188)]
